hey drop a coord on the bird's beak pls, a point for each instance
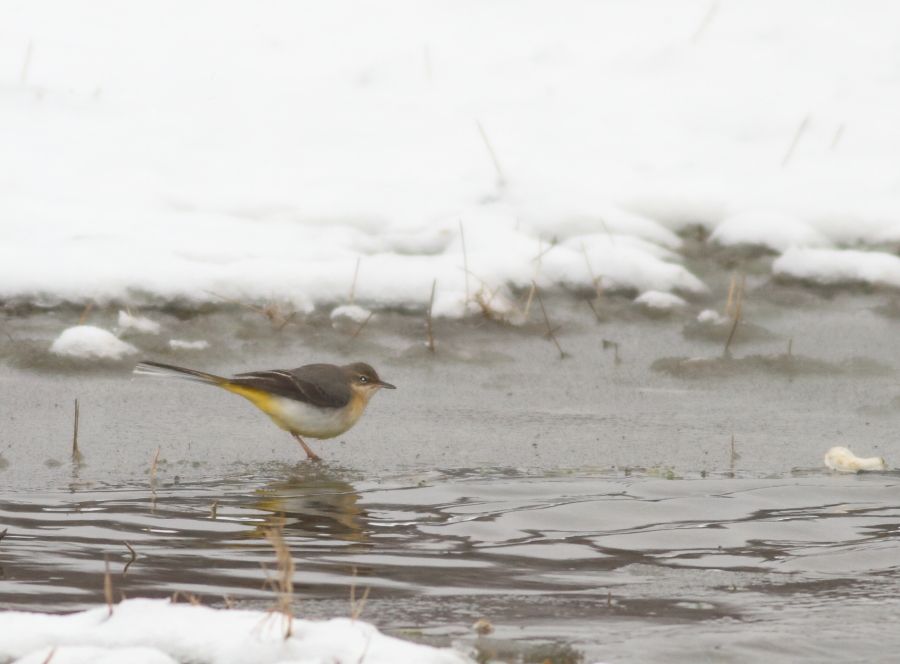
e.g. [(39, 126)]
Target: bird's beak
[(381, 383)]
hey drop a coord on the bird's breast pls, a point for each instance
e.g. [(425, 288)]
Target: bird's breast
[(313, 421)]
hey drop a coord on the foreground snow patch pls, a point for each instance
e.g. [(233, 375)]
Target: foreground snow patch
[(845, 461), (833, 266), (143, 324), (86, 341), (144, 631)]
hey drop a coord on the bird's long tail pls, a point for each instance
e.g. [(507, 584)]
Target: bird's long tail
[(170, 371)]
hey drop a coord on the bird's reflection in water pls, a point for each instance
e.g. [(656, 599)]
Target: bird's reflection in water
[(313, 503)]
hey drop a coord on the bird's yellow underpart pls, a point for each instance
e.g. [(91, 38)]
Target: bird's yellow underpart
[(265, 401)]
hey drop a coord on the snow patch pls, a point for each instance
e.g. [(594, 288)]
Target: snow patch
[(659, 300), (773, 230), (144, 631), (180, 344), (835, 266), (711, 317), (87, 341), (353, 312), (137, 323)]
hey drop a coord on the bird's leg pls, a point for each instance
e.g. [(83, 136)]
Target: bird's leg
[(309, 453)]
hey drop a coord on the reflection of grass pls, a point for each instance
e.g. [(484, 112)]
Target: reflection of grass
[(787, 364)]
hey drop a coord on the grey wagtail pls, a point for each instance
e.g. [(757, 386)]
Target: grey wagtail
[(315, 400)]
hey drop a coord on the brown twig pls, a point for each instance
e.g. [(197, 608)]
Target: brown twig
[(76, 454), (362, 326), (285, 577), (86, 312), (528, 302), (133, 558), (551, 331), (214, 510), (356, 607), (738, 304), (594, 310), (3, 533), (429, 327)]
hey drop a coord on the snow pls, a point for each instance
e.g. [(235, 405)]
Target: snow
[(711, 317), (144, 631), (257, 152), (773, 230), (835, 266), (137, 323), (659, 300), (181, 344), (88, 341), (353, 312), (845, 461)]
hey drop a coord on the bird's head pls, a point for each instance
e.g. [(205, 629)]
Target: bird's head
[(364, 379)]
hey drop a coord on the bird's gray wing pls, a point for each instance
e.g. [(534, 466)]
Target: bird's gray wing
[(320, 385)]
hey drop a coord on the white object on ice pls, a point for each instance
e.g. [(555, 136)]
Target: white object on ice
[(179, 344), (354, 312), (772, 230), (834, 266), (659, 300), (711, 317), (137, 323), (150, 631), (87, 341), (845, 461)]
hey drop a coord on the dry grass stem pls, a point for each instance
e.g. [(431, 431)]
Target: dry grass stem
[(133, 558), (86, 312), (594, 310), (705, 23), (462, 238), (801, 129), (229, 602), (595, 280), (362, 326), (3, 533), (530, 299), (107, 587), (274, 312), (23, 79), (357, 606), (214, 510), (429, 326), (192, 599), (285, 583), (738, 305), (154, 465), (501, 180), (50, 655), (790, 347), (551, 331), (76, 455), (352, 297)]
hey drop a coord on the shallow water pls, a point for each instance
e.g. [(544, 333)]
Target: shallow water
[(591, 509), (613, 567)]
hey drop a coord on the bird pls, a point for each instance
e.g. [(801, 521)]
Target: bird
[(313, 401)]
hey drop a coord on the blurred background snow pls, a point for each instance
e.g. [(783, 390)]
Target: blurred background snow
[(170, 150)]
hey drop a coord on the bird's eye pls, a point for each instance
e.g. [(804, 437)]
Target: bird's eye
[(363, 379)]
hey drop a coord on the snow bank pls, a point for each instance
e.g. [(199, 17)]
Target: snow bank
[(137, 323), (305, 136), (352, 312), (142, 631), (182, 344), (658, 300), (773, 230), (87, 341), (833, 267)]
